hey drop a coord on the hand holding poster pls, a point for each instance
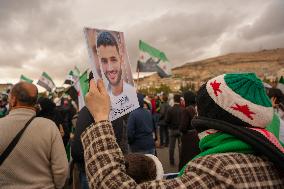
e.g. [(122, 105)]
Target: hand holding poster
[(109, 61)]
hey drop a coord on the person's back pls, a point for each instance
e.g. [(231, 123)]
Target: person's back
[(173, 117), (38, 159), (164, 130), (189, 147), (173, 120), (140, 128)]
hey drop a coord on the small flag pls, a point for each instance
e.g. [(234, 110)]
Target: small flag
[(82, 87), (26, 79), (70, 78), (46, 82), (76, 72), (280, 84), (153, 60)]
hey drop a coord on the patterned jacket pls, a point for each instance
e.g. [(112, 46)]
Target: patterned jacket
[(105, 167)]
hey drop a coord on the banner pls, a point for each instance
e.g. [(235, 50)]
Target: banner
[(46, 82), (26, 79), (109, 61), (153, 60)]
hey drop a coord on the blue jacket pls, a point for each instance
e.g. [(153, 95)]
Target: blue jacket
[(140, 128)]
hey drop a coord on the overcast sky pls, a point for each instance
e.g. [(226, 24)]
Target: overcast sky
[(37, 35)]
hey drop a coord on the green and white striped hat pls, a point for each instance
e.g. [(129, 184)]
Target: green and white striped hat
[(243, 96)]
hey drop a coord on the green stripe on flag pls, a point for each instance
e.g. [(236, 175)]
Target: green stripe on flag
[(152, 51), (84, 83), (24, 78), (44, 74)]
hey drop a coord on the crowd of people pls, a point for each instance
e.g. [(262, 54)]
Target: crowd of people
[(229, 134)]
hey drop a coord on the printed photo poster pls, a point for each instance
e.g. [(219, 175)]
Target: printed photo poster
[(109, 61)]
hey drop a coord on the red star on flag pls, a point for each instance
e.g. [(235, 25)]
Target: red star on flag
[(216, 87), (244, 109)]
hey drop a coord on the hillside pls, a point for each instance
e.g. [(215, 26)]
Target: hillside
[(265, 63)]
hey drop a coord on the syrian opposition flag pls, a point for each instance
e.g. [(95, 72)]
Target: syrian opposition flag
[(76, 72), (82, 87), (70, 78), (26, 79), (153, 60), (46, 82), (280, 84)]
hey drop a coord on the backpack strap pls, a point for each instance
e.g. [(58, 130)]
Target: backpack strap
[(14, 142)]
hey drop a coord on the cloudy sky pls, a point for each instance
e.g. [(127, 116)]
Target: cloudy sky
[(46, 35)]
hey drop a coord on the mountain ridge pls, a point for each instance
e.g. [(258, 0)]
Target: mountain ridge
[(265, 63)]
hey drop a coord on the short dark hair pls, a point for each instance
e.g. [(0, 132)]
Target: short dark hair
[(165, 98), (177, 98), (189, 98), (23, 95), (105, 38)]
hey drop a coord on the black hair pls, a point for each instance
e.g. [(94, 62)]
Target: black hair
[(106, 39), (206, 107), (177, 98), (189, 98)]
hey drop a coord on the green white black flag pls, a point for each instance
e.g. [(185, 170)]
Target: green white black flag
[(26, 79), (46, 82), (70, 78), (82, 87), (153, 60)]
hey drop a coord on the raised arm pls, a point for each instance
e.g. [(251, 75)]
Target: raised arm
[(105, 165)]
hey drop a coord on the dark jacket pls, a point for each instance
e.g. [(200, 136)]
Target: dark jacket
[(173, 117), (163, 112), (186, 116), (189, 140), (85, 119), (140, 128), (49, 111)]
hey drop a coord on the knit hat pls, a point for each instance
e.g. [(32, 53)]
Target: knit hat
[(237, 104)]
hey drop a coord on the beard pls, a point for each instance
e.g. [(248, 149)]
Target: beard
[(116, 82)]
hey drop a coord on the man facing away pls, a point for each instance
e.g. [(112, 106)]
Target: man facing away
[(173, 118), (38, 159)]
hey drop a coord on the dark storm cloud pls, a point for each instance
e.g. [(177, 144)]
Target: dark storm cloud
[(271, 22), (39, 35), (182, 35), (266, 32)]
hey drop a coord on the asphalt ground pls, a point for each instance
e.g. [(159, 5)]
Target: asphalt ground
[(163, 155)]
